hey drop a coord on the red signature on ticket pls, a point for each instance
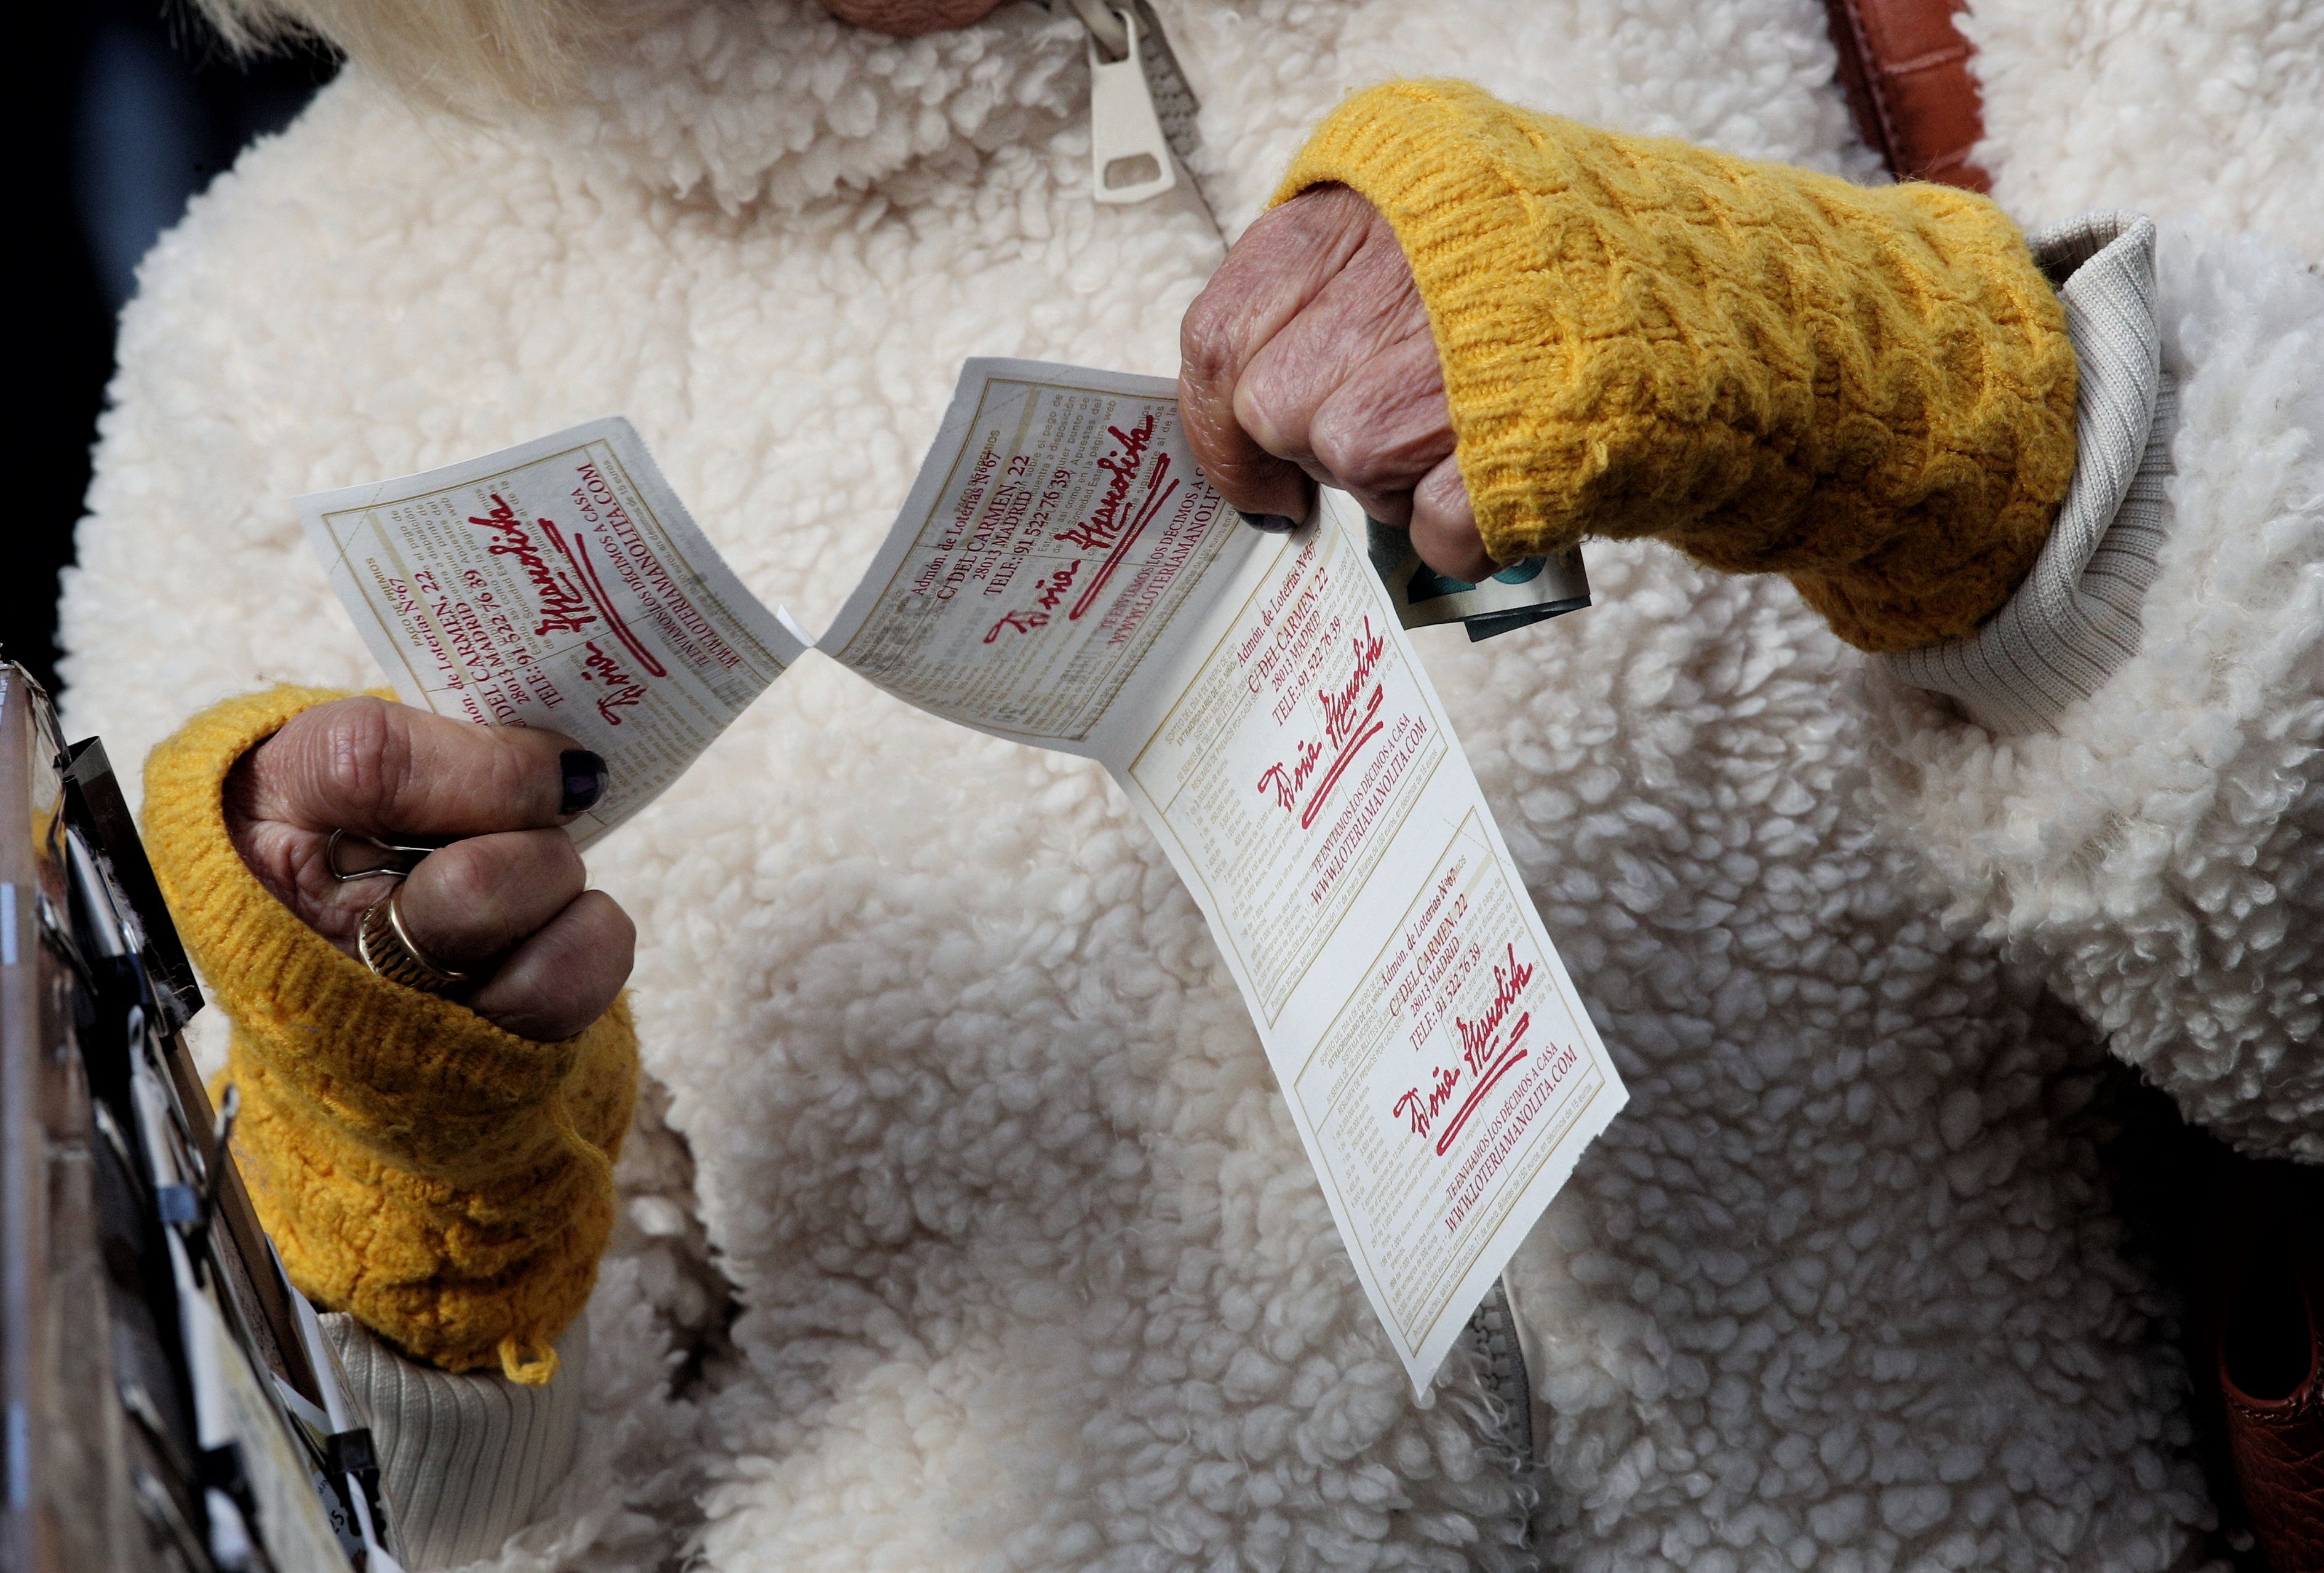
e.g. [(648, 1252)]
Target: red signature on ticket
[(1485, 1055), (1113, 527), (622, 690), (1047, 591), (571, 599), (1351, 720), (564, 603)]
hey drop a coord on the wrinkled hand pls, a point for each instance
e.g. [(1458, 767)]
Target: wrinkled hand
[(505, 904), (1310, 351)]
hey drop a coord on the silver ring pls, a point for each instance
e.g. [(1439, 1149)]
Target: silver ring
[(403, 856)]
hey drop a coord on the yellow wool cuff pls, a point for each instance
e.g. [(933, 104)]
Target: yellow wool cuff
[(1870, 390), (448, 1183)]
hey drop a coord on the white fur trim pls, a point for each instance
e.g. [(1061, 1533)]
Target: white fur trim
[(2161, 105), (778, 100)]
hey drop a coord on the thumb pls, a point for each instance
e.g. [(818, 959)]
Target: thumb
[(371, 767)]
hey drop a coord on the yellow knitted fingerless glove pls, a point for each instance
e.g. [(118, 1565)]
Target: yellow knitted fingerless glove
[(448, 1183), (1869, 390)]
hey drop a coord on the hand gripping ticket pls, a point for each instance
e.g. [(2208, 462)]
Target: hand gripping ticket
[(558, 584)]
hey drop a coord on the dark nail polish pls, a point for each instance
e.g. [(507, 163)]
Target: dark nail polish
[(585, 779), (1273, 524)]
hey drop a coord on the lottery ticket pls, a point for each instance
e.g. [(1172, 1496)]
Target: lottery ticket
[(561, 584)]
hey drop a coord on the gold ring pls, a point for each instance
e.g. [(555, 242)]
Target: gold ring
[(386, 948)]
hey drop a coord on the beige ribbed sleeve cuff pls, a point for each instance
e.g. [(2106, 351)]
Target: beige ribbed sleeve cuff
[(2075, 620), (464, 1460)]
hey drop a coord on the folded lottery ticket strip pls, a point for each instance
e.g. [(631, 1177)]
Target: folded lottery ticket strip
[(1063, 576)]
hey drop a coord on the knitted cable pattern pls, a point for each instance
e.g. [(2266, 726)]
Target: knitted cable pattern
[(447, 1183), (1868, 390)]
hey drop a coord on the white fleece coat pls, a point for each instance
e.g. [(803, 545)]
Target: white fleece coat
[(1028, 1268)]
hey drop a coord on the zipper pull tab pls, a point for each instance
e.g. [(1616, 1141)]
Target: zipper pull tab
[(1129, 158)]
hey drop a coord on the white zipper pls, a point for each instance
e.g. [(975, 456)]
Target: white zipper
[(1143, 127), (1129, 158)]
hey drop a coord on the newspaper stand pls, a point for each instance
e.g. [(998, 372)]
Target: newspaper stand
[(169, 1403)]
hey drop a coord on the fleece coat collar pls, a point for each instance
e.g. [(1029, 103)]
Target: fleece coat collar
[(776, 102)]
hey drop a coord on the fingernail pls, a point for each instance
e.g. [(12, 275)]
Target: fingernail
[(1273, 524), (585, 778)]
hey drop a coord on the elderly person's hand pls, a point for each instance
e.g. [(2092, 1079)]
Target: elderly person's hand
[(1869, 390), (1310, 350), (505, 902)]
